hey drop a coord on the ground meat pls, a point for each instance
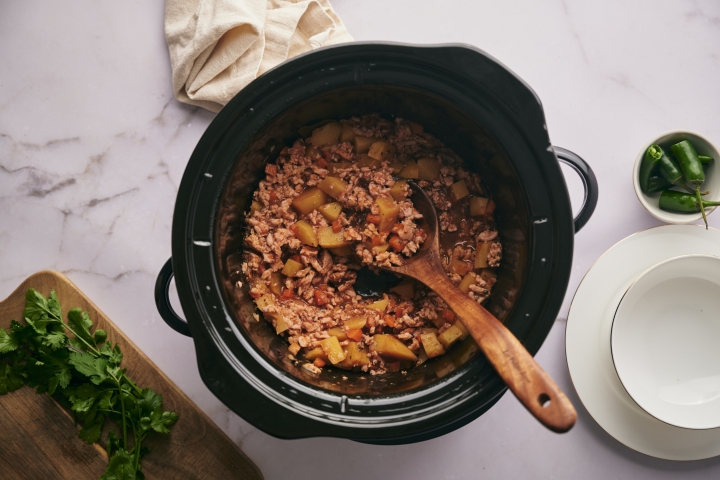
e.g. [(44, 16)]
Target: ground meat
[(301, 268)]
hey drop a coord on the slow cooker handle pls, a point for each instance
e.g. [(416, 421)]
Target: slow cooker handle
[(589, 184), (162, 300)]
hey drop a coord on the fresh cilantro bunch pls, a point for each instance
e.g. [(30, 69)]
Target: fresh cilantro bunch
[(83, 371)]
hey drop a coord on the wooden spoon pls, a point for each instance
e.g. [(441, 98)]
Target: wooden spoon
[(530, 384)]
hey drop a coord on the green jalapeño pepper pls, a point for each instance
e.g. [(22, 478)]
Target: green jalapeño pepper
[(657, 183), (668, 167), (692, 169), (673, 201), (650, 161), (705, 158)]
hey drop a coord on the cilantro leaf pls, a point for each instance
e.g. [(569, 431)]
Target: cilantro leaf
[(112, 444), (94, 368), (53, 305), (120, 467), (8, 342), (160, 421), (92, 429), (62, 379), (80, 323), (38, 313), (149, 401), (12, 376), (54, 340), (113, 354)]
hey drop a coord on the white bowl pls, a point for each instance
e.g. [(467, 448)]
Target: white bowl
[(665, 341), (712, 175)]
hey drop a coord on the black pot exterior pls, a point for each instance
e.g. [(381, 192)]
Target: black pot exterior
[(478, 108)]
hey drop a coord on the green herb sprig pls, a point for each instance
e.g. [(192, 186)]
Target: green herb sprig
[(83, 371)]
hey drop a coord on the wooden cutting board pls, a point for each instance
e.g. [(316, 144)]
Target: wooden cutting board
[(39, 439)]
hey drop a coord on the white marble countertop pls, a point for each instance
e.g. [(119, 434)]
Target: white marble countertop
[(93, 146)]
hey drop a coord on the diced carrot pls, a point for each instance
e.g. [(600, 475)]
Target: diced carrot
[(378, 240), (397, 243), (296, 258), (322, 287), (319, 362), (389, 320), (273, 197), (399, 312), (320, 297), (448, 315), (321, 162), (288, 293), (336, 226), (372, 218), (294, 228), (355, 334)]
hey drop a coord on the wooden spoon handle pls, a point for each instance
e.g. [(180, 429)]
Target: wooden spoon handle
[(530, 384)]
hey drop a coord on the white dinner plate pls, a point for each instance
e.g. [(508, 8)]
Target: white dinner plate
[(587, 342)]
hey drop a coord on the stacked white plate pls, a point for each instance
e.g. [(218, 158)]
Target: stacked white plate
[(589, 352)]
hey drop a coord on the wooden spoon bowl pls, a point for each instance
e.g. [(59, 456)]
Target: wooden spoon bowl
[(518, 369)]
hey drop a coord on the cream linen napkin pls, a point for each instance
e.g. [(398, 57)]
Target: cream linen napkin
[(219, 46)]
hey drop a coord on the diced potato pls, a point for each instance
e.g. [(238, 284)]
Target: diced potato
[(397, 167), (481, 254), (381, 150), (326, 135), (362, 144), (460, 267), (331, 211), (276, 283), (265, 301), (467, 280), (333, 350), (381, 248), (255, 206), (309, 200), (354, 357), (280, 325), (311, 151), (410, 170), (333, 186), (450, 336), (345, 251), (459, 325), (443, 367), (316, 352), (306, 233), (488, 275), (355, 323), (329, 239), (337, 332), (291, 267), (432, 346), (380, 305), (399, 191), (478, 205), (464, 352), (391, 347), (333, 168), (347, 134), (428, 169), (416, 128), (389, 211), (294, 348), (458, 191), (366, 160), (406, 288)]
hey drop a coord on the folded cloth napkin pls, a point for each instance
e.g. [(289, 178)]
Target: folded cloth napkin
[(219, 46)]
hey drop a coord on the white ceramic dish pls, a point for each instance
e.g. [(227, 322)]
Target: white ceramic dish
[(664, 341), (712, 175), (587, 343)]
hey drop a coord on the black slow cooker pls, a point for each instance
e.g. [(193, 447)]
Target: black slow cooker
[(473, 104)]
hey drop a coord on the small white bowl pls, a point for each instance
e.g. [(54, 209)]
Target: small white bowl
[(665, 341), (712, 175)]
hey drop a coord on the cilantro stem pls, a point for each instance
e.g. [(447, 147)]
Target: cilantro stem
[(122, 405)]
